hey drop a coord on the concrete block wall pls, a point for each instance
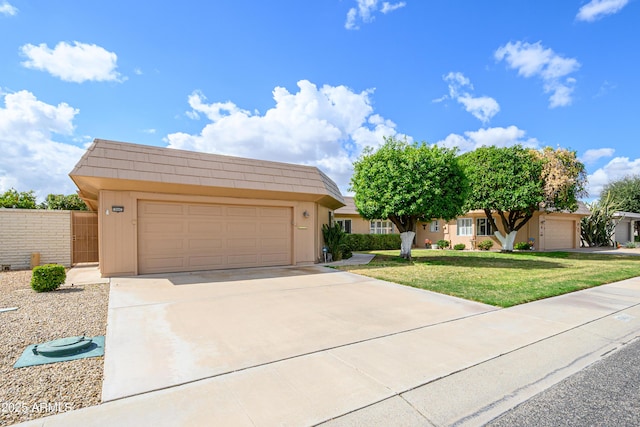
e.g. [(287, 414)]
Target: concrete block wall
[(25, 231)]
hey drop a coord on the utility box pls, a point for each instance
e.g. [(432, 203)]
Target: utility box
[(35, 259)]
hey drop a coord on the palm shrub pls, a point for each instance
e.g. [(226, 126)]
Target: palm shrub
[(335, 239), (598, 228), (48, 277)]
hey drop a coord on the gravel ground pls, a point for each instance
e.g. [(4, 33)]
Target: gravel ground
[(38, 391)]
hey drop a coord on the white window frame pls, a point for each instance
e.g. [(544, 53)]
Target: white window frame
[(489, 231), (434, 227), (464, 227), (380, 227), (343, 223)]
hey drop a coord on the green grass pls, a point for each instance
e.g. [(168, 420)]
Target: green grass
[(500, 279)]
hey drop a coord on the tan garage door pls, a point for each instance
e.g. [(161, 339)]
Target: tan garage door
[(559, 234), (190, 236)]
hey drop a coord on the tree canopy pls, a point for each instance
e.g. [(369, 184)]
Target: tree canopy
[(18, 200), (406, 183), (625, 192), (514, 182), (72, 202)]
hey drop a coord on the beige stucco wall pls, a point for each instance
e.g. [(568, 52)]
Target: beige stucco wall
[(118, 231), (25, 231), (358, 224)]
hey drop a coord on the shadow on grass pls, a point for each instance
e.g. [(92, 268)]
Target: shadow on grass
[(385, 261)]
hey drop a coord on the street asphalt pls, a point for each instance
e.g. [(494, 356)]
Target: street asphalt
[(606, 393)]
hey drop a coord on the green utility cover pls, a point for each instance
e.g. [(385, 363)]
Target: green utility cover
[(61, 350)]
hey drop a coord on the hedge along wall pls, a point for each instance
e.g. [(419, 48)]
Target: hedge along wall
[(372, 242), (25, 231)]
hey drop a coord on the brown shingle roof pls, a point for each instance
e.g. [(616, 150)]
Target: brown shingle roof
[(112, 165), (349, 208)]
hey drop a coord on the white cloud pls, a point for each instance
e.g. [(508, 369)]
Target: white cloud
[(483, 107), (324, 126), (137, 71), (597, 9), (498, 136), (150, 131), (7, 9), (534, 60), (366, 10), (615, 170), (591, 156), (390, 7), (76, 63), (31, 159)]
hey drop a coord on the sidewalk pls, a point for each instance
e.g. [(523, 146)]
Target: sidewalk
[(461, 372)]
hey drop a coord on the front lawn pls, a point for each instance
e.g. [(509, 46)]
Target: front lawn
[(499, 279)]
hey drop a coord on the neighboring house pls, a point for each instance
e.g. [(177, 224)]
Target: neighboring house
[(352, 223), (626, 227), (164, 210), (547, 231)]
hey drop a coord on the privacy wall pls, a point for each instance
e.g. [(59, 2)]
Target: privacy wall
[(27, 231)]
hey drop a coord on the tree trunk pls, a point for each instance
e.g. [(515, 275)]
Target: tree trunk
[(406, 243), (507, 242)]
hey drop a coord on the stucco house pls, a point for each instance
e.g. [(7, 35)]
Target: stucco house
[(164, 210), (548, 231), (625, 230)]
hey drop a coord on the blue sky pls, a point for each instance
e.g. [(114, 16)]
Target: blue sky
[(315, 81)]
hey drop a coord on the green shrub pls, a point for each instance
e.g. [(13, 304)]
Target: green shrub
[(522, 246), (372, 242), (485, 245), (48, 277), (459, 247), (335, 239), (630, 245), (443, 244)]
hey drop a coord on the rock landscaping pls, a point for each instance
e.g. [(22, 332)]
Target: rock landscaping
[(38, 391)]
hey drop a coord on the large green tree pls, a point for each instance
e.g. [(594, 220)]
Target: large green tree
[(514, 182), (406, 183), (61, 202), (625, 192), (18, 200)]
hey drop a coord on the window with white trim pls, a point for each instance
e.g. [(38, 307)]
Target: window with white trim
[(381, 227), (345, 224), (483, 227), (435, 226), (465, 227)]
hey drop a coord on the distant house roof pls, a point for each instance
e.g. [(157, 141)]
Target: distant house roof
[(349, 208), (112, 165), (631, 215)]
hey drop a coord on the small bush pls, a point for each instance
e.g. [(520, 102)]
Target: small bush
[(485, 245), (48, 277), (522, 246), (443, 244), (630, 245), (459, 247)]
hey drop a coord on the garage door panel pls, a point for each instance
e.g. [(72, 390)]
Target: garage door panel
[(162, 245), (242, 260), (242, 211), (207, 228), (163, 209), (207, 261), (274, 212), (275, 244), (163, 264), (206, 244), (206, 210), (191, 236)]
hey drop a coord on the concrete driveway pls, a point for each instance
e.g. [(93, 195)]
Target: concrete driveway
[(174, 329)]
